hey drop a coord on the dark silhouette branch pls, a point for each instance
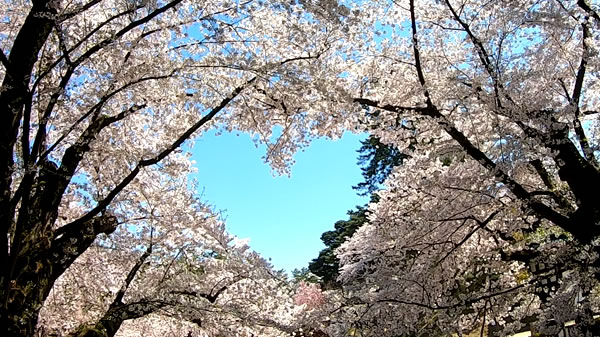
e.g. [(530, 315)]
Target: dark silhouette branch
[(480, 225), (131, 275)]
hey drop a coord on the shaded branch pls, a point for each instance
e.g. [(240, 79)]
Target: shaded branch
[(387, 107), (456, 305), (70, 161), (517, 189), (77, 10), (109, 324), (575, 97), (554, 192), (131, 275), (480, 225), (49, 69), (5, 62), (578, 173), (212, 298), (95, 110), (482, 53), (416, 53), (71, 244), (75, 63), (13, 95), (583, 5)]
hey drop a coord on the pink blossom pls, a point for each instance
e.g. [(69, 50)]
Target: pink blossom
[(309, 294)]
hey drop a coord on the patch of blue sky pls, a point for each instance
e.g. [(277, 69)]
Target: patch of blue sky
[(284, 217)]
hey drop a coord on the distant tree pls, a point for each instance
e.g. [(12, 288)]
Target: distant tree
[(304, 275), (326, 265), (377, 161)]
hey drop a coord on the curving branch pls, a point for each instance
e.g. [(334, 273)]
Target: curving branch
[(102, 204), (480, 225), (71, 66), (108, 325), (131, 275), (588, 152), (517, 189)]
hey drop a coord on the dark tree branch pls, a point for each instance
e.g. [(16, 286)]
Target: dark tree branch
[(70, 161), (97, 108), (563, 86), (114, 317), (78, 10), (416, 53), (517, 189), (387, 107), (212, 298), (62, 45), (40, 137), (25, 133), (71, 244), (583, 5), (13, 95), (483, 55), (100, 45), (38, 268), (578, 173), (5, 63), (131, 275), (480, 225), (72, 65), (553, 189), (582, 176), (455, 305), (102, 204), (575, 97), (49, 69), (481, 51)]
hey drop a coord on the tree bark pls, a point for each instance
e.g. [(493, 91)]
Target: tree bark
[(14, 94), (37, 269)]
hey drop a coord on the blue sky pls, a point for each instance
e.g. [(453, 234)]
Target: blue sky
[(284, 217)]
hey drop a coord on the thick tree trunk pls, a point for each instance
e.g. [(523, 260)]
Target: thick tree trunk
[(21, 297), (37, 269), (109, 324)]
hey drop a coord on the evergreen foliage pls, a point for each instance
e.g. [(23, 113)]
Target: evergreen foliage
[(377, 161), (326, 265), (304, 275)]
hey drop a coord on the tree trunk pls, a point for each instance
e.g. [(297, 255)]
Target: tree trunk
[(37, 269), (21, 297), (114, 317)]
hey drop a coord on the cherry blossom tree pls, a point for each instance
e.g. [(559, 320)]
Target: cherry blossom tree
[(497, 105), (98, 98), (309, 294), (495, 102), (190, 277), (508, 85)]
